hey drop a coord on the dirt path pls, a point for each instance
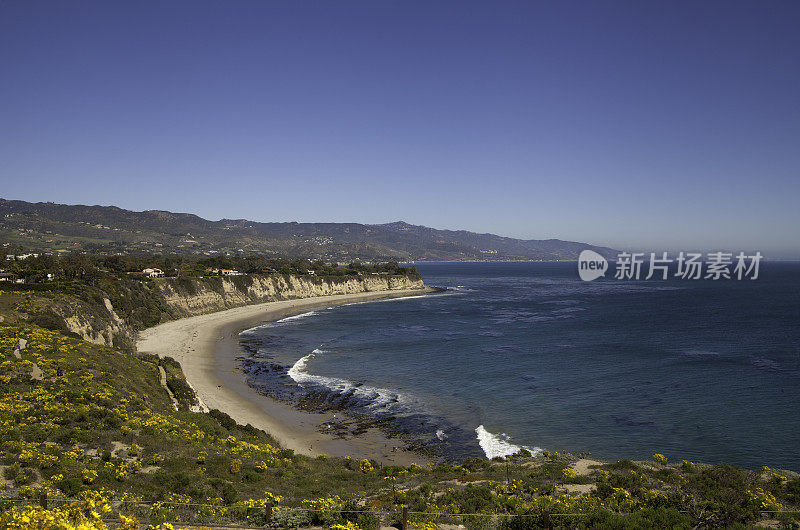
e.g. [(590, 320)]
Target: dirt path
[(163, 375)]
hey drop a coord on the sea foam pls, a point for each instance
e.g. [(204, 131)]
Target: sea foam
[(373, 397), (497, 445), (296, 317)]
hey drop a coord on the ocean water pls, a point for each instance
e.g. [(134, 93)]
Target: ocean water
[(527, 355)]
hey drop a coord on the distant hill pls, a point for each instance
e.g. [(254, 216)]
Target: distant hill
[(50, 226)]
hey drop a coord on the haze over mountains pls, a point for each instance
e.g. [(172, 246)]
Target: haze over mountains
[(59, 227)]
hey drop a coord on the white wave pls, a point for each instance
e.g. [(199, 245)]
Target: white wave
[(401, 298), (296, 317), (497, 445), (458, 289), (297, 371), (376, 397), (383, 300), (440, 434)]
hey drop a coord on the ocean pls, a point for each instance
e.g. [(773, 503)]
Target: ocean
[(526, 355)]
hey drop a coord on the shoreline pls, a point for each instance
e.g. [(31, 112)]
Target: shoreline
[(207, 348)]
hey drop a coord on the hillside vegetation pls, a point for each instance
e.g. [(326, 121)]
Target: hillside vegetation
[(88, 422)]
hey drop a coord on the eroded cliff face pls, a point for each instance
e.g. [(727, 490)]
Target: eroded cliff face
[(195, 297), (104, 329), (95, 318)]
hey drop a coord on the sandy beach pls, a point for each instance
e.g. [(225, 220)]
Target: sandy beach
[(207, 346)]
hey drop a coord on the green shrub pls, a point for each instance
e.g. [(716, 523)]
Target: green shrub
[(49, 319), (25, 476), (250, 476), (645, 518), (290, 519), (70, 486), (223, 419), (621, 465), (359, 515), (474, 463), (793, 490), (472, 499), (11, 472), (182, 391)]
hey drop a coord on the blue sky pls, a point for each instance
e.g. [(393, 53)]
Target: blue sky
[(657, 125)]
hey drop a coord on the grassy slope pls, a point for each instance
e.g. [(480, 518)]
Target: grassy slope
[(105, 423)]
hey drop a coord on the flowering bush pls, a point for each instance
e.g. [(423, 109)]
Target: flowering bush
[(764, 500), (424, 526), (121, 471), (83, 515), (322, 509), (127, 523), (349, 525), (89, 475), (268, 499)]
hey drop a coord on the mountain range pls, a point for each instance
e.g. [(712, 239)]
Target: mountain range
[(47, 226)]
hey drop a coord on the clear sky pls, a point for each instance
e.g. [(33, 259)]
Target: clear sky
[(658, 125)]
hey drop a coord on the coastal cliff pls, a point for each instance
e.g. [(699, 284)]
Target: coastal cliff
[(96, 322), (110, 312), (189, 297), (103, 329)]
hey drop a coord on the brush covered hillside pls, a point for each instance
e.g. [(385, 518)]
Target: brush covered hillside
[(92, 432), (52, 227)]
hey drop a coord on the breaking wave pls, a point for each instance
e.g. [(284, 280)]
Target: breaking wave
[(371, 397), (296, 317), (497, 445)]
